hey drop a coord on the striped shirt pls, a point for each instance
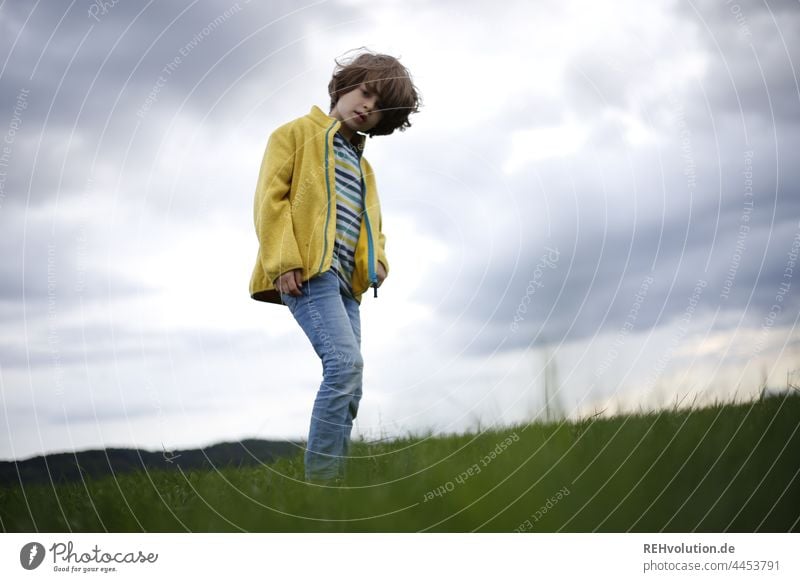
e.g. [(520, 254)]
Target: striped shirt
[(349, 209)]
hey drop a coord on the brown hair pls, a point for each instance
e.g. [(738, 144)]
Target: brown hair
[(397, 96)]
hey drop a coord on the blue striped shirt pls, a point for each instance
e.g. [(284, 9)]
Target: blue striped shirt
[(349, 210)]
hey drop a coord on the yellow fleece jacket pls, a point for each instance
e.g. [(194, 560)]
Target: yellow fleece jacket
[(295, 209)]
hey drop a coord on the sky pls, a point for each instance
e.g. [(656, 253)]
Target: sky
[(595, 211)]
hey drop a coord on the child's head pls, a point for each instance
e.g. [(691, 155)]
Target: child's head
[(385, 76)]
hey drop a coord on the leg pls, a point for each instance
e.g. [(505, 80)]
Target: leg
[(352, 307), (330, 321)]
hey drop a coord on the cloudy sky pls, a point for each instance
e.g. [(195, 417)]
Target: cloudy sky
[(602, 200)]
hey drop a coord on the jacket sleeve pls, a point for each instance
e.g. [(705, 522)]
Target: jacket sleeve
[(273, 211)]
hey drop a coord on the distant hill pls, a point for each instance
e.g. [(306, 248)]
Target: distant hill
[(67, 467)]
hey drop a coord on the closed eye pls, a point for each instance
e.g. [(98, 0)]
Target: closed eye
[(367, 93)]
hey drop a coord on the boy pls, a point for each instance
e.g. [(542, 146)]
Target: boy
[(321, 245)]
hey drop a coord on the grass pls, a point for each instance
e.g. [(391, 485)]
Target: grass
[(725, 468)]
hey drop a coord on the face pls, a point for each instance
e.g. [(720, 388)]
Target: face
[(357, 110)]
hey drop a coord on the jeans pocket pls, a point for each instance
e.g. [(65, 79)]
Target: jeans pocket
[(288, 300)]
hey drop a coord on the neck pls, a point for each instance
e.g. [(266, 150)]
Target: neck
[(346, 132)]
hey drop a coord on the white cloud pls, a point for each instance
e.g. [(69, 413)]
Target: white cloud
[(540, 143)]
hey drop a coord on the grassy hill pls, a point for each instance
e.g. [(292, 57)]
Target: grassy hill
[(725, 468)]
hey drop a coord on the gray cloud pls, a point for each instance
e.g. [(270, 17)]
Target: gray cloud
[(753, 58), (109, 96), (97, 175)]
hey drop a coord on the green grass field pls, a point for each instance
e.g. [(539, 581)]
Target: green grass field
[(725, 468)]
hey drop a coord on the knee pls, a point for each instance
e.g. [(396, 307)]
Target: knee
[(351, 364), (344, 367), (353, 361)]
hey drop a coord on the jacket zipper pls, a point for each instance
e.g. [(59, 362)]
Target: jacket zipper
[(373, 277)]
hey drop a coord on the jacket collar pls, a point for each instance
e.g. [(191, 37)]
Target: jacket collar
[(325, 120)]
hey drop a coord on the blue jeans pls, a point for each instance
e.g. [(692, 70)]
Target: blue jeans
[(331, 320)]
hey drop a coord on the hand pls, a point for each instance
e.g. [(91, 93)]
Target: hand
[(381, 273), (291, 283)]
